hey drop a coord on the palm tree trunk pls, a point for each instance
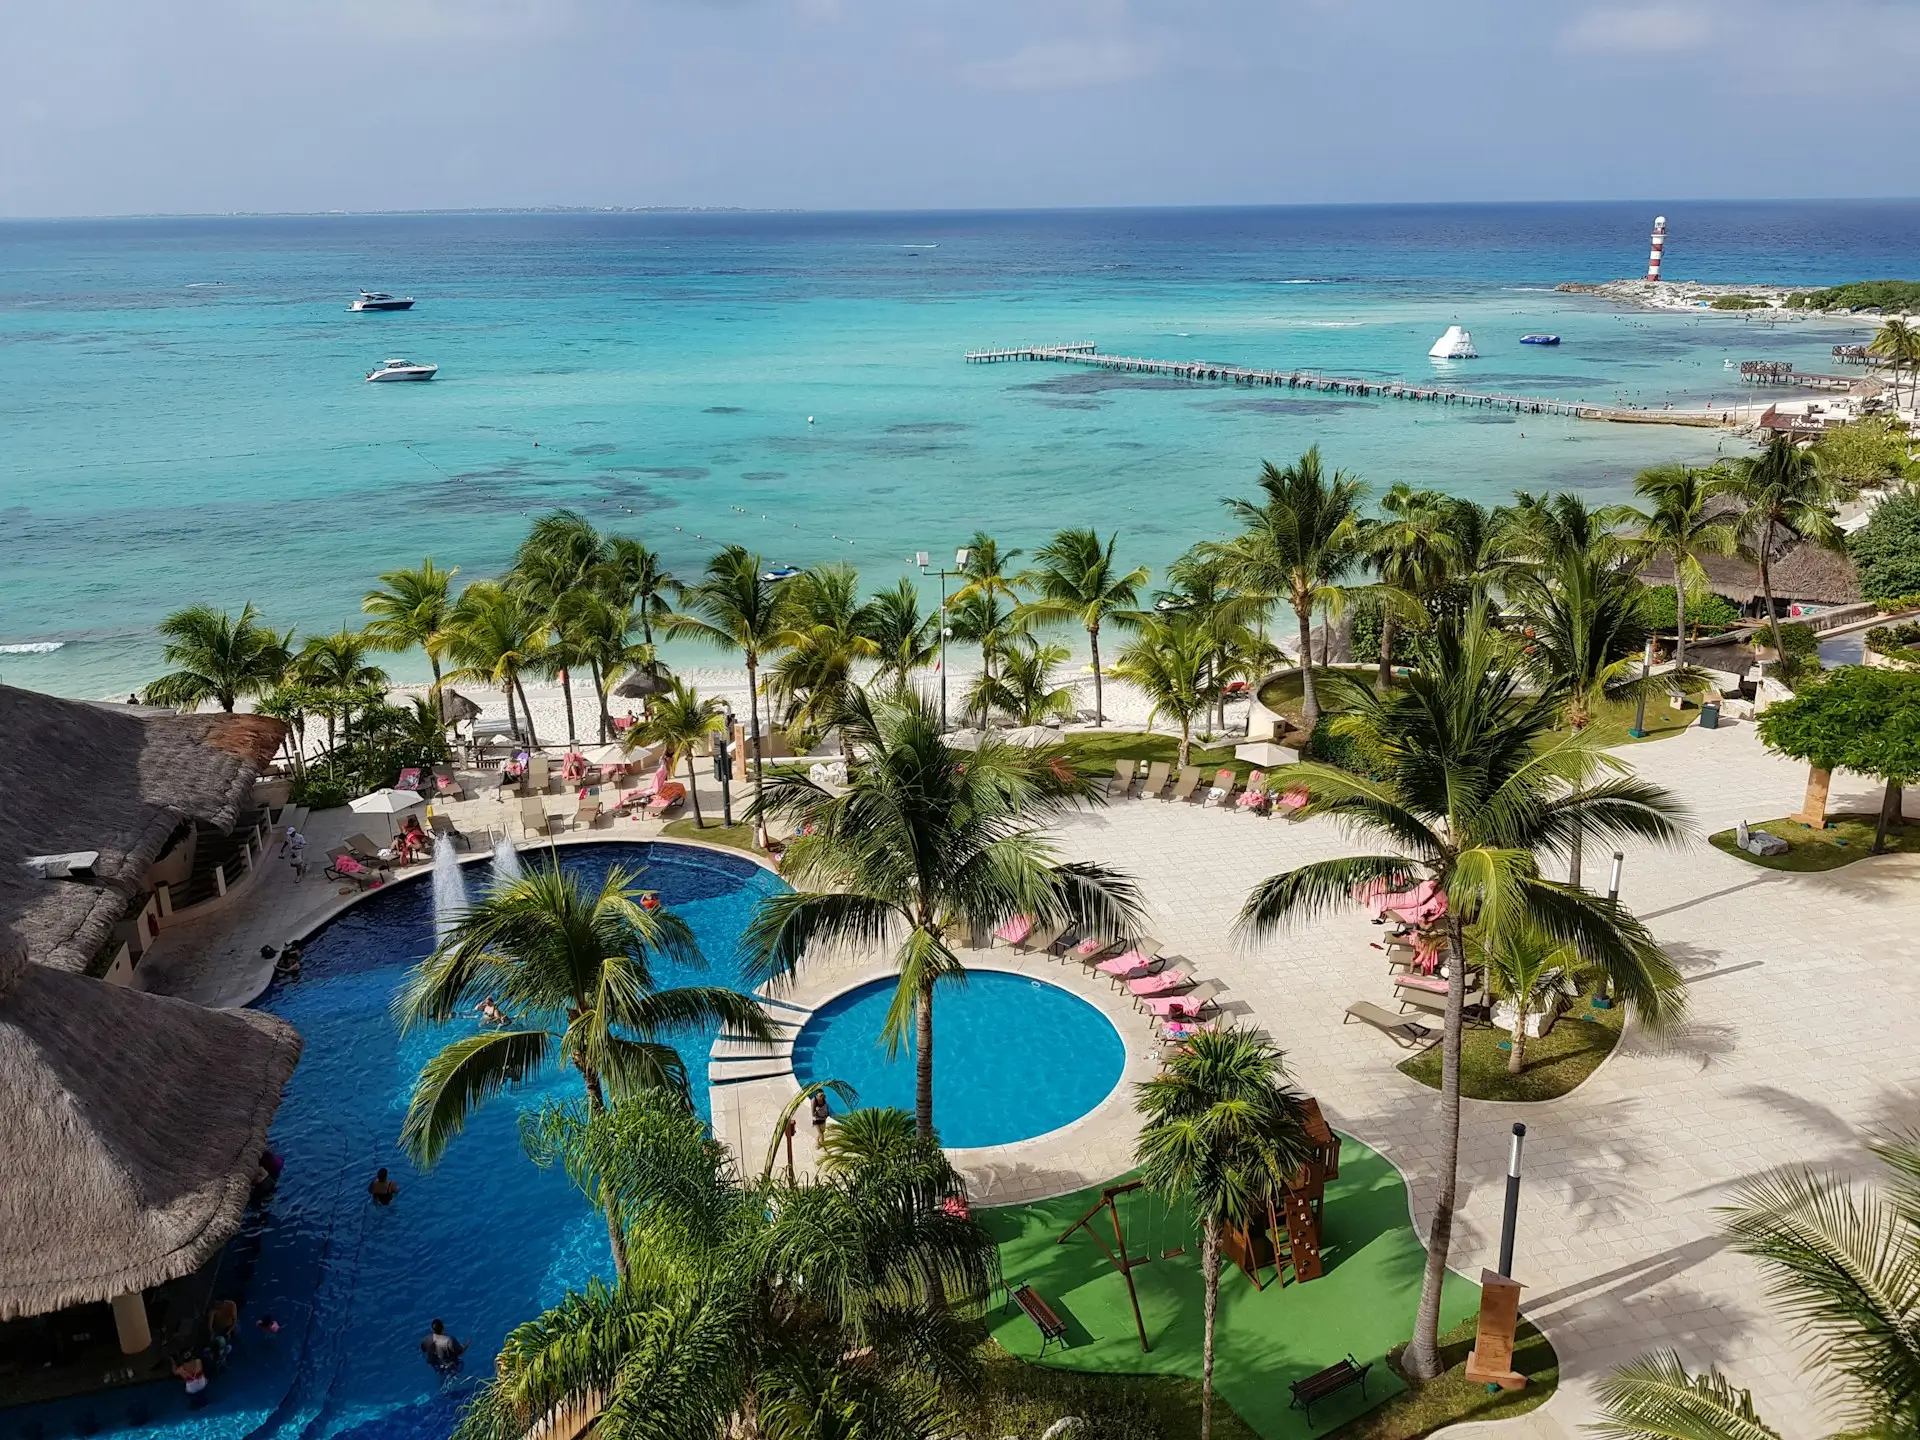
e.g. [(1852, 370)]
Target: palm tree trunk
[(513, 722), (1423, 1353), (434, 661), (1093, 637), (1890, 808), (616, 1237), (1186, 739), (566, 691), (923, 1063), (1766, 589), (1385, 680), (1573, 857), (1210, 1269), (1516, 1051), (533, 739), (1679, 617), (600, 701), (693, 791), (1309, 697)]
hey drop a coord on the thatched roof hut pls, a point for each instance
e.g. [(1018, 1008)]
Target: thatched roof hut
[(1801, 571), (79, 776), (132, 1125), (456, 709)]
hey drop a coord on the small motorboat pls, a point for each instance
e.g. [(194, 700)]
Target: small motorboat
[(380, 300), (1539, 339), (1456, 344), (402, 370), (781, 572)]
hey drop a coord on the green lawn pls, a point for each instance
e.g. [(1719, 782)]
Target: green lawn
[(1450, 1398), (738, 837), (1847, 838), (1555, 1063), (1098, 749), (1363, 1304)]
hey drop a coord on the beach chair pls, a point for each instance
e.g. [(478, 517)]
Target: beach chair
[(1156, 780), (1015, 931), (445, 829), (1091, 949), (533, 817), (343, 864), (1122, 778), (1291, 802), (1224, 784), (1406, 1031), (409, 780), (1130, 964), (1254, 797), (1163, 983), (1190, 1006), (1185, 1029), (537, 774), (1040, 939), (446, 784), (587, 816), (670, 797), (366, 849), (1186, 784)]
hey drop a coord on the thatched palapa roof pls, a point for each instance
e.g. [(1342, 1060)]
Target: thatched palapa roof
[(1800, 571), (79, 776), (131, 1125)]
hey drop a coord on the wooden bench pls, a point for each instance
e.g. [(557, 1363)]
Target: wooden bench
[(1323, 1383), (1401, 1029), (1053, 1330)]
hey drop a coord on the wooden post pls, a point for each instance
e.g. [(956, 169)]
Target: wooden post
[(130, 1322), (1813, 809), (1490, 1362)]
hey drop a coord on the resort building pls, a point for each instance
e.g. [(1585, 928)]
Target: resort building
[(133, 1124)]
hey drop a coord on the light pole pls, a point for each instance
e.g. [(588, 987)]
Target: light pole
[(1639, 730), (1601, 999), (959, 568), (1512, 1216)]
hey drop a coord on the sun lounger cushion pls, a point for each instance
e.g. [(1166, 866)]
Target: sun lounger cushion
[(1125, 964), (1157, 984), (1015, 930), (1223, 785)]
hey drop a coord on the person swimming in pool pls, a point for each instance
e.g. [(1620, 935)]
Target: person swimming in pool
[(443, 1352), (381, 1188)]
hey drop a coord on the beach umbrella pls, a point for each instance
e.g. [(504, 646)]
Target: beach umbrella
[(1265, 752), (964, 739), (1032, 737), (387, 802), (642, 685), (456, 708)]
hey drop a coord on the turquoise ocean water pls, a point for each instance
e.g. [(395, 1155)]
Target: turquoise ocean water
[(182, 414)]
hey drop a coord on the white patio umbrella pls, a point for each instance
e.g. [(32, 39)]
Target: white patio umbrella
[(387, 802), (1032, 737), (963, 739), (1265, 752), (610, 755)]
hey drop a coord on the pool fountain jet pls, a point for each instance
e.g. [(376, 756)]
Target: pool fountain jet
[(506, 860), (449, 891)]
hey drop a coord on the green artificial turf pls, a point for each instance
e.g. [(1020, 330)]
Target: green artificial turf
[(1363, 1305)]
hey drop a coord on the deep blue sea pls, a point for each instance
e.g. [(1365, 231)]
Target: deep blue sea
[(183, 418)]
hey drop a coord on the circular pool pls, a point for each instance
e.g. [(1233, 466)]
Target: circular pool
[(1012, 1057)]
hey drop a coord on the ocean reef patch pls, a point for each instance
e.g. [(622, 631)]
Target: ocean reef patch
[(1282, 405), (929, 427), (1092, 382), (601, 449), (763, 474), (673, 472), (723, 410)]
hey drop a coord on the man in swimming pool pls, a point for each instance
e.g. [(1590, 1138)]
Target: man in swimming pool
[(443, 1352)]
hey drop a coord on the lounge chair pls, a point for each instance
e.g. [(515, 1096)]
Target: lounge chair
[(1291, 802), (1130, 965), (1164, 983), (445, 829), (409, 779), (1224, 784), (1184, 1029), (1122, 778), (588, 814), (671, 796), (536, 774), (1405, 1031), (365, 848), (1060, 944), (1091, 949), (1015, 931), (1184, 787), (343, 864), (1156, 780), (446, 784), (1190, 1006), (1254, 797)]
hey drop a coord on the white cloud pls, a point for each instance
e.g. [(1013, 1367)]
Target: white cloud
[(1642, 29), (1062, 65)]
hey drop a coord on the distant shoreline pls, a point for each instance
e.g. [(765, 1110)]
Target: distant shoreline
[(1693, 295)]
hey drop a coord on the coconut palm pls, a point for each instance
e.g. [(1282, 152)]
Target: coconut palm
[(1414, 554), (412, 607), (336, 668), (1232, 619), (1475, 788), (1222, 1132), (989, 569), (561, 555), (1076, 578), (810, 1311), (734, 605), (218, 657), (632, 577), (495, 635), (1025, 690), (982, 618), (1782, 495), (599, 632), (1532, 973), (1898, 343), (1295, 542), (1172, 663), (1544, 530), (824, 633), (928, 841), (1680, 525), (680, 720), (1839, 1260), (573, 964), (903, 638)]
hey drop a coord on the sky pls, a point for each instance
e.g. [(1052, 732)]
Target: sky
[(211, 106)]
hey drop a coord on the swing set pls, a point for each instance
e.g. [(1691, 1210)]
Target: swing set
[(1124, 1262)]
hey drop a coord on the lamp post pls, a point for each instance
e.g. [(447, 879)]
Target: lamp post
[(1601, 999), (1639, 730), (959, 568), (1511, 1218)]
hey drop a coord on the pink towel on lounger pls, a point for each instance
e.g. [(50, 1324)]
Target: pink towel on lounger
[(1015, 930), (1175, 1007), (1123, 964), (1157, 984)]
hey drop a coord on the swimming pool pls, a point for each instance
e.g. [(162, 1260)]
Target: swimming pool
[(1012, 1057), (485, 1240)]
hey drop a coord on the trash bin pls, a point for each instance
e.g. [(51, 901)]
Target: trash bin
[(1710, 715)]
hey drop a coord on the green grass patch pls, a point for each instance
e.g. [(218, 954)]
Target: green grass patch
[(737, 837), (1847, 838), (1450, 1398), (1022, 1399), (1555, 1062), (1736, 302), (1097, 750)]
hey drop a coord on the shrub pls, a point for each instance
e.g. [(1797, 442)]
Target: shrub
[(1891, 295), (1863, 452), (1886, 553), (1658, 610), (1800, 652), (1330, 746), (1736, 302), (1365, 633), (322, 787)]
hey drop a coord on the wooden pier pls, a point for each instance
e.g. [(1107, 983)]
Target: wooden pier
[(1208, 371)]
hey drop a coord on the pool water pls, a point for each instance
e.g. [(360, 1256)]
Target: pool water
[(1012, 1057), (485, 1240)]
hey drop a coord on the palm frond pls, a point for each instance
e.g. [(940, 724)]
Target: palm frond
[(1655, 1398), (462, 1075)]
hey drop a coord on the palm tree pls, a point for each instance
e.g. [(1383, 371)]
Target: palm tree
[(1413, 553), (815, 1310), (1475, 788), (336, 668), (218, 657), (1233, 620), (632, 577), (495, 635), (1222, 1132), (1682, 525), (987, 569), (1783, 495), (573, 965), (734, 605), (1531, 973), (1025, 690), (928, 841), (1840, 1261), (680, 721), (824, 633), (981, 618), (1294, 543), (1898, 343), (599, 631), (562, 554), (1077, 578), (1544, 530), (904, 639), (1171, 662), (412, 607)]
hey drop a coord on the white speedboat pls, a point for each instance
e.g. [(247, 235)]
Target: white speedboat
[(380, 300), (402, 370), (1456, 344)]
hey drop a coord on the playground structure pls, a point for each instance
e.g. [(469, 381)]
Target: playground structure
[(1294, 1212)]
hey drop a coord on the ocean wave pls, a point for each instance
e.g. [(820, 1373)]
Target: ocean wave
[(32, 647)]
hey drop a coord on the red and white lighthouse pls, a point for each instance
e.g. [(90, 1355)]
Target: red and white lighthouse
[(1659, 244)]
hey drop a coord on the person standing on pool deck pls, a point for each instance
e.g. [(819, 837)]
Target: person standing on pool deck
[(443, 1352)]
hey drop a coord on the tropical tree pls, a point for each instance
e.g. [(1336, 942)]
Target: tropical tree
[(824, 633), (1413, 553), (989, 569), (1898, 343), (562, 554), (1026, 689), (1783, 495), (1858, 718), (1681, 525), (412, 607), (1076, 578), (218, 657), (843, 1307), (336, 669), (1532, 973), (904, 640), (1172, 663), (1294, 543), (1546, 530), (734, 605), (978, 617), (1474, 789), (927, 842), (573, 965), (680, 720), (496, 634), (1840, 1261), (599, 631), (1222, 1134), (1233, 620), (632, 577)]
